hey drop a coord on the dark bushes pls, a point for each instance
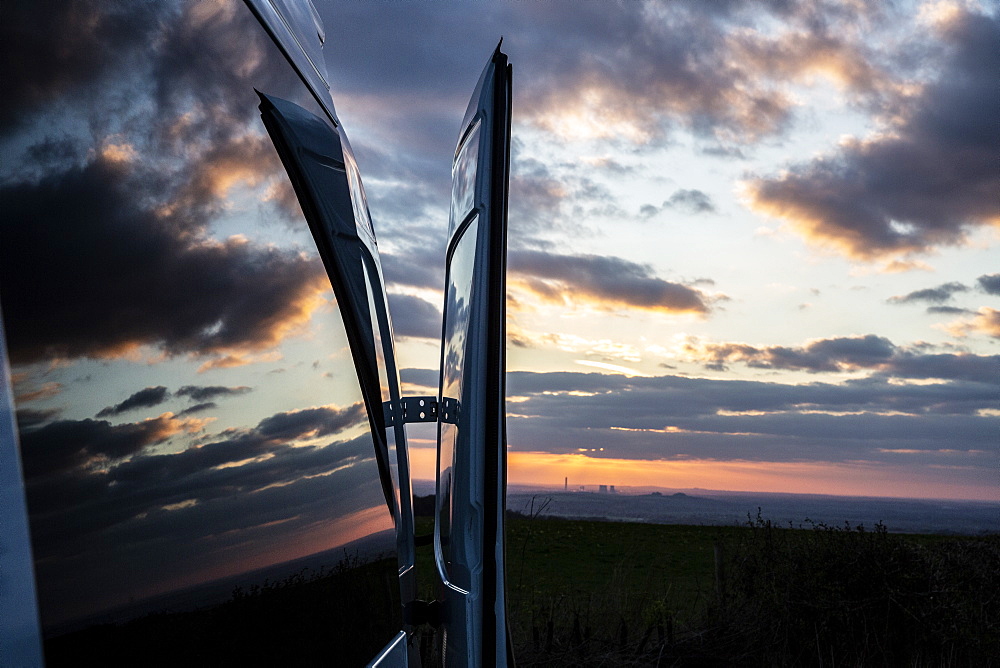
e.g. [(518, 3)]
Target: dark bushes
[(843, 595), (815, 596)]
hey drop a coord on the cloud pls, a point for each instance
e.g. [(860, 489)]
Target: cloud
[(414, 317), (989, 283), (145, 398), (853, 353), (986, 321), (71, 51), (604, 281), (45, 391), (159, 283), (692, 201), (313, 422), (28, 418), (925, 183), (198, 408), (605, 348), (687, 201), (66, 444), (242, 493), (628, 73), (824, 355), (420, 377), (951, 310), (665, 417), (938, 295), (419, 267), (206, 392)]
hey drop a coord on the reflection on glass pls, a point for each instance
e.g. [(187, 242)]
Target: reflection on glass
[(383, 380), (194, 441), (456, 318), (463, 179), (358, 198)]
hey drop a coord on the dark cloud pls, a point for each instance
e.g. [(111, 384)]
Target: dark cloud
[(414, 317), (621, 71), (175, 519), (145, 398), (661, 417), (989, 283), (536, 193), (206, 392), (28, 418), (198, 408), (53, 152), (419, 265), (422, 377), (871, 352), (824, 355), (164, 116), (78, 42), (141, 148), (950, 310), (315, 422), (925, 184), (607, 281), (938, 295), (975, 368), (65, 444), (116, 276)]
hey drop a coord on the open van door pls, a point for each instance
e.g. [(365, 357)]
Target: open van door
[(182, 480), (323, 172), (472, 452), (319, 161)]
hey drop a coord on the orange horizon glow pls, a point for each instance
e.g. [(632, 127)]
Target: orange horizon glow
[(861, 478)]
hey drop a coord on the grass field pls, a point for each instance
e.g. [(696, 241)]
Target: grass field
[(608, 593)]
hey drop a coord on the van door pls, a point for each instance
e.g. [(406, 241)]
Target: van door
[(472, 456)]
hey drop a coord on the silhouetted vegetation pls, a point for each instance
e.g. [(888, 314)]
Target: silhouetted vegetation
[(301, 620), (591, 593), (758, 595)]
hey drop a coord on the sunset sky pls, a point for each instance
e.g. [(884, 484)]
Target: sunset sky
[(752, 245)]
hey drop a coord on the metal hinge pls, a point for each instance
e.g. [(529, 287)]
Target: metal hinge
[(421, 409)]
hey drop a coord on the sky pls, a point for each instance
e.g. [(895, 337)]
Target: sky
[(752, 245)]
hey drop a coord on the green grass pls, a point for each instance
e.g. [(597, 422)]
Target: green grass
[(555, 558), (589, 593)]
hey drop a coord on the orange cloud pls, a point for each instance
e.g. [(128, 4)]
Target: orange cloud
[(166, 425), (234, 360), (925, 180), (44, 392), (986, 321)]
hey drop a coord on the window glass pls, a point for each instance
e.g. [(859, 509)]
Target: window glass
[(194, 440), (383, 376), (456, 318), (358, 199), (463, 179)]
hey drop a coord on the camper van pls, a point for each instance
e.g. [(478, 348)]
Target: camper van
[(203, 432)]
